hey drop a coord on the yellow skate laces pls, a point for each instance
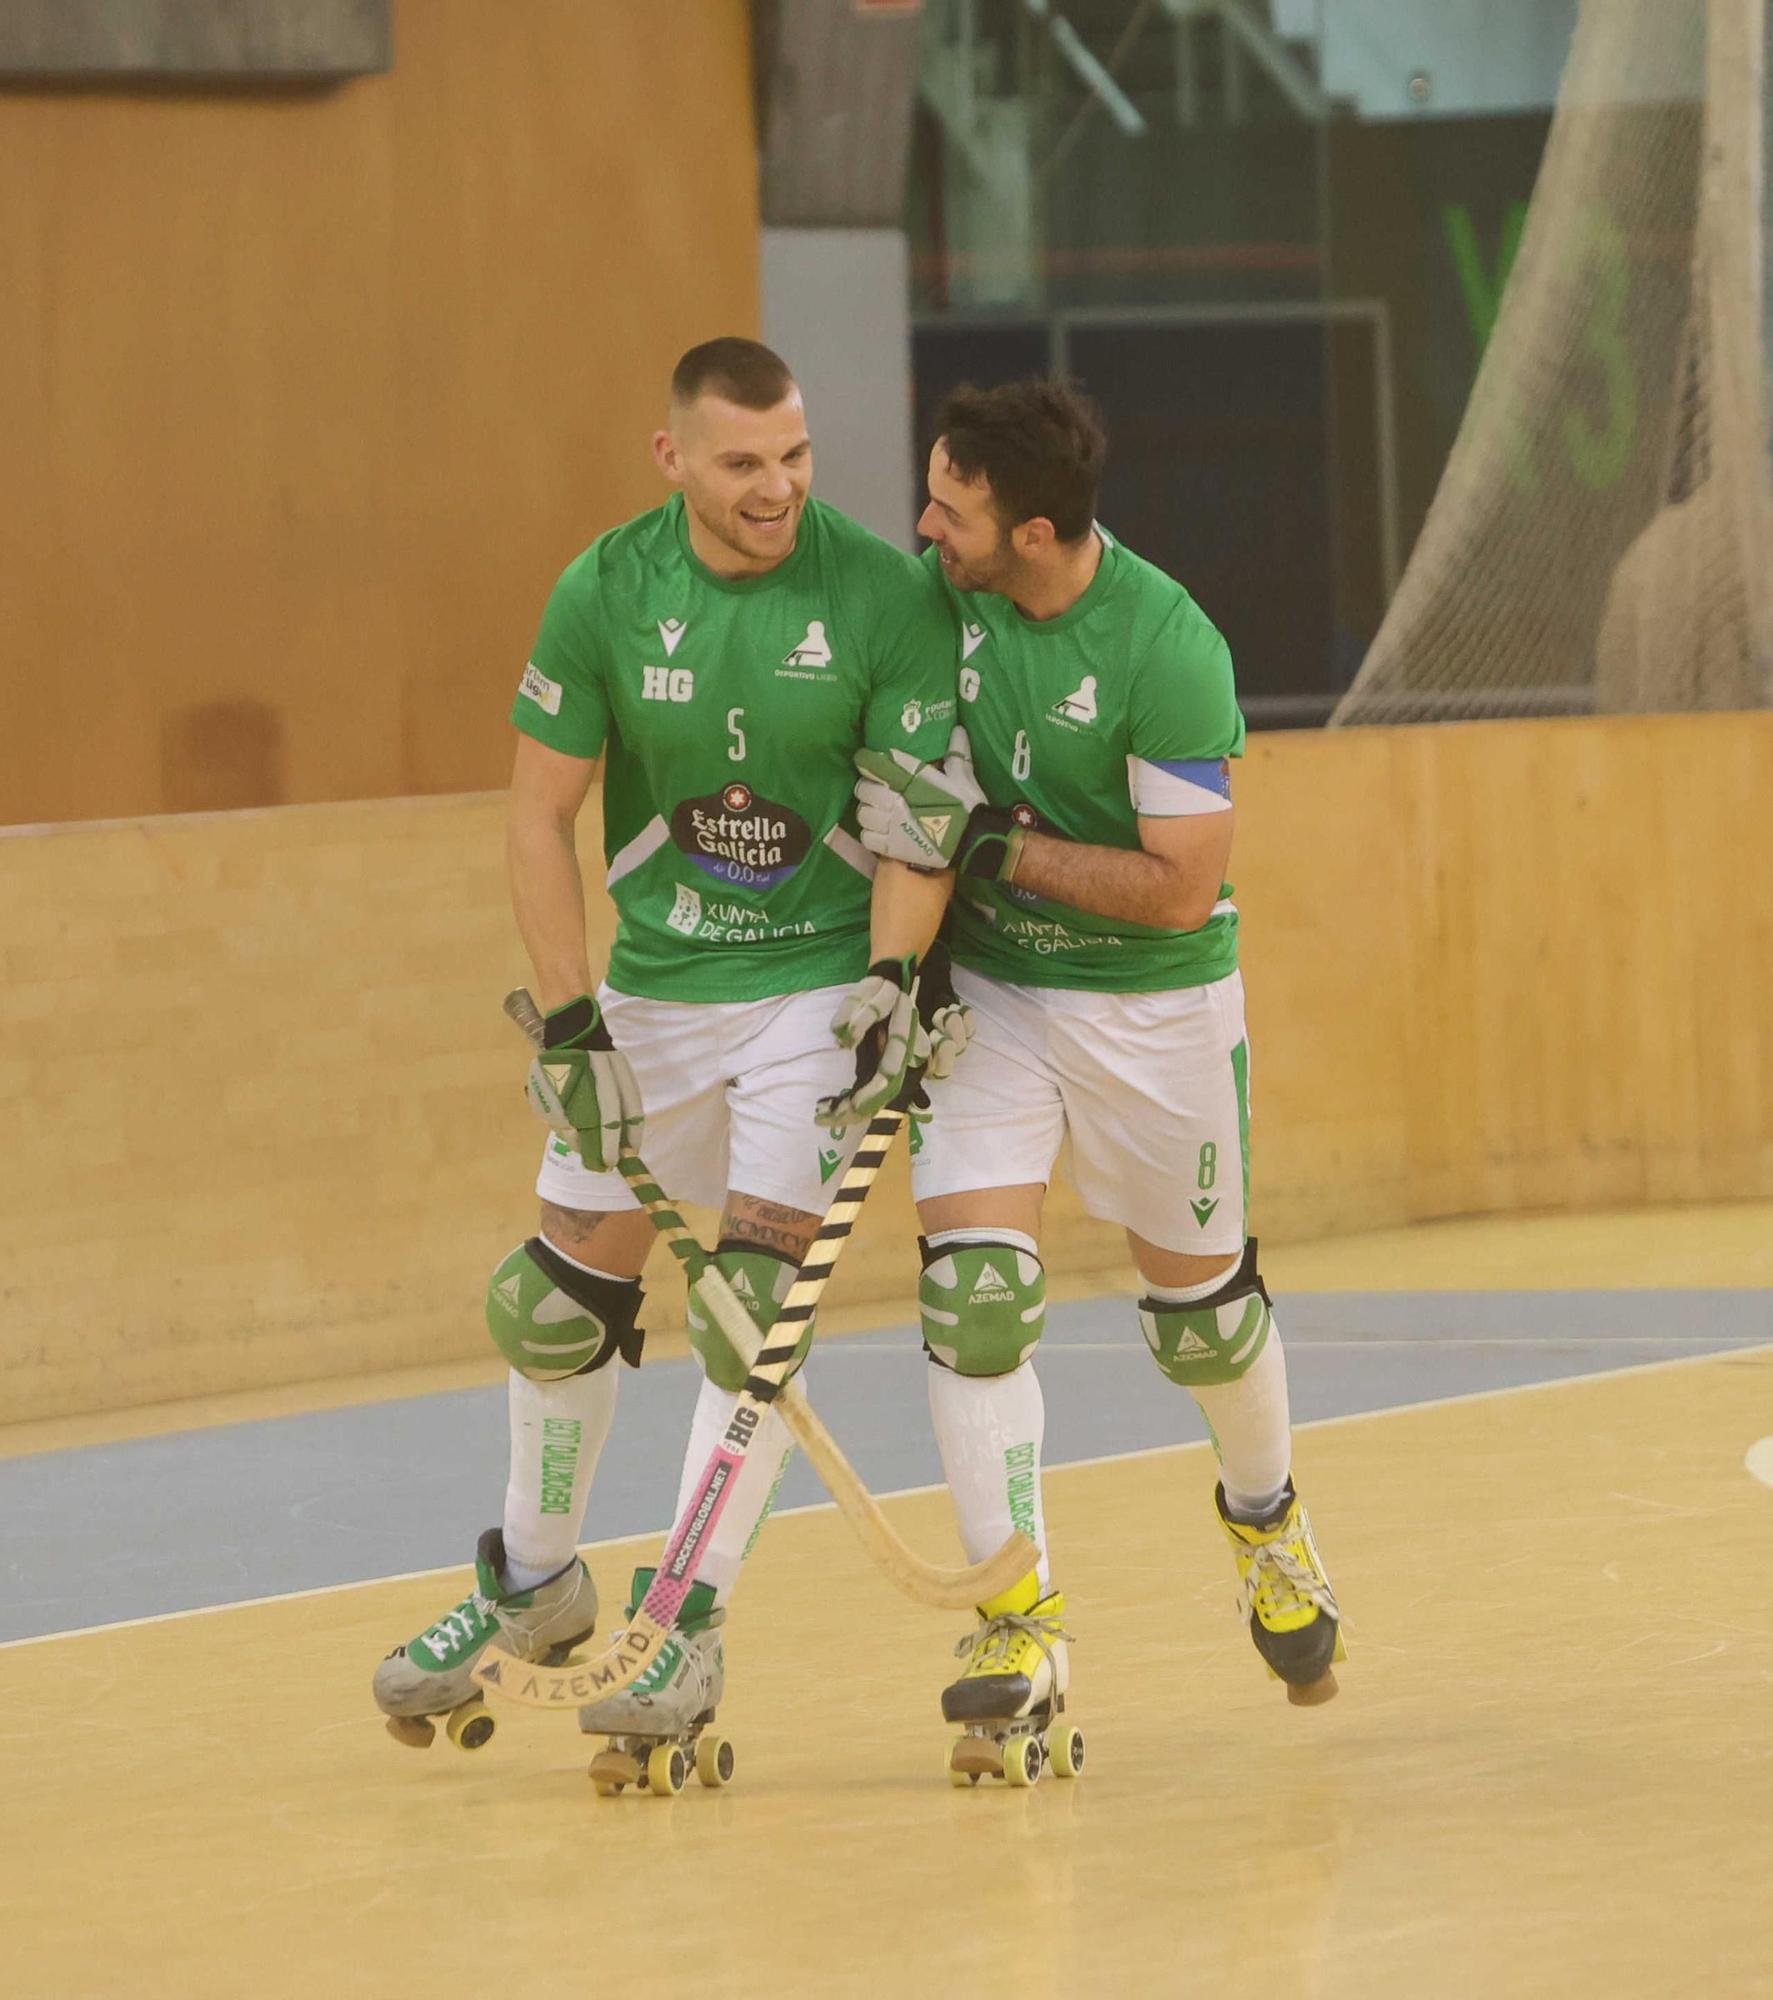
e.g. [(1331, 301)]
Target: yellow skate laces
[(989, 1648), (1278, 1583)]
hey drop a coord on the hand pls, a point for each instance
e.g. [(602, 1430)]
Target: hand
[(935, 816), (581, 1085), (878, 1019)]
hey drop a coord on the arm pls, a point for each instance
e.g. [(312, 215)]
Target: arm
[(907, 910), (548, 789), (1170, 881)]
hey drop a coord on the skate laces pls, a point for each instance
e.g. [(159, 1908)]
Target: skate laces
[(1276, 1581), (991, 1645), (467, 1625)]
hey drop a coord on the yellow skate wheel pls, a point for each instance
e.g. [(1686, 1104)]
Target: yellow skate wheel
[(470, 1727), (607, 1788), (666, 1769), (1022, 1761), (714, 1762), (1066, 1749), (417, 1732)]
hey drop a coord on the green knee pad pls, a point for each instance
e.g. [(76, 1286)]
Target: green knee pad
[(550, 1320), (760, 1283), (983, 1306), (1216, 1339)]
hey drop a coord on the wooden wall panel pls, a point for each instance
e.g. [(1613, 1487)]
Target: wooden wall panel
[(309, 397), (263, 1120)]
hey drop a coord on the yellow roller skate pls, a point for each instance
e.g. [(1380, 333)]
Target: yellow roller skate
[(1283, 1592), (1012, 1694)]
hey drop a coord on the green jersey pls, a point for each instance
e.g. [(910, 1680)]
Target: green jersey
[(730, 710), (1122, 706)]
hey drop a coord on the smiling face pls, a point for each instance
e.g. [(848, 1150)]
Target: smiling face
[(745, 476), (974, 546)]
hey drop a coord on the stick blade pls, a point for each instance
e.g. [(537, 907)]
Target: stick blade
[(618, 1666)]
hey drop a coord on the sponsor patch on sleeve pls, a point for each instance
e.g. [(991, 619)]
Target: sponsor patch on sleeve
[(540, 689)]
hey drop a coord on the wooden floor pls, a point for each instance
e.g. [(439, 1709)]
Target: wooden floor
[(1550, 1770)]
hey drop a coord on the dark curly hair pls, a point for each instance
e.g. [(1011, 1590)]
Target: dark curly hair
[(1038, 443)]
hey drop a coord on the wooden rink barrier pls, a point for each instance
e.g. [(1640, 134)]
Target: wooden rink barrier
[(264, 1119), (311, 393)]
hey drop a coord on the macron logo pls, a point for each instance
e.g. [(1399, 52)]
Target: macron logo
[(671, 630), (971, 639)]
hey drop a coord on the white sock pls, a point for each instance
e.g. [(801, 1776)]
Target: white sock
[(558, 1431), (989, 1430), (1250, 1420), (753, 1494)]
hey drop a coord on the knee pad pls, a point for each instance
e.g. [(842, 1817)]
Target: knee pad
[(983, 1306), (760, 1280), (550, 1320), (1216, 1339)]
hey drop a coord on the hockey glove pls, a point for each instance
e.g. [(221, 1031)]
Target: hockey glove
[(935, 816), (582, 1086), (878, 1019), (945, 1015)]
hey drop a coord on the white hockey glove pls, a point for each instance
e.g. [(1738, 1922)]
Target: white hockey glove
[(935, 816), (581, 1085)]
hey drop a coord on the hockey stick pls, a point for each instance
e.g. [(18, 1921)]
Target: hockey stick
[(650, 1626), (928, 1583)]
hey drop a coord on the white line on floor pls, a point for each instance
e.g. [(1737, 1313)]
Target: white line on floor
[(1763, 1350)]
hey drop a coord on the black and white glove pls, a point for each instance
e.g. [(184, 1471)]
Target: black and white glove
[(582, 1086), (878, 1019), (935, 816), (946, 1017)]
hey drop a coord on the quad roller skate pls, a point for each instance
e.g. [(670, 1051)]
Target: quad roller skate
[(1286, 1597), (661, 1728), (431, 1675), (1011, 1698)]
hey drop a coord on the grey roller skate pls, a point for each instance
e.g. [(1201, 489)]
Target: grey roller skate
[(432, 1673), (659, 1729)]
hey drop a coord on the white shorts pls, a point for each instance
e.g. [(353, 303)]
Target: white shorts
[(729, 1091), (1151, 1088)]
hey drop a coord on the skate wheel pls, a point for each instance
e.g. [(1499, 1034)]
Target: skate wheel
[(1066, 1749), (607, 1788), (666, 1769), (1022, 1761), (416, 1732), (470, 1727), (714, 1762)]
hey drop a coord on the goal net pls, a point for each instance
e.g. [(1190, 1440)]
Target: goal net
[(1600, 537)]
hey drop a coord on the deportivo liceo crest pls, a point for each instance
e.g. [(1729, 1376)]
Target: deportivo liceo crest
[(814, 649), (1078, 706)]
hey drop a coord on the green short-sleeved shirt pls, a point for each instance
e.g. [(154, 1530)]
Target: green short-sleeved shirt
[(1123, 705), (730, 711)]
